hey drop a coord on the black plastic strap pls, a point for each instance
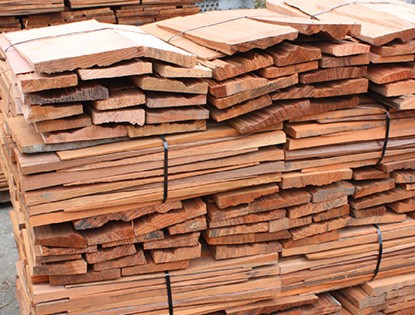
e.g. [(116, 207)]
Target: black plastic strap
[(169, 295), (385, 142), (380, 253), (166, 168)]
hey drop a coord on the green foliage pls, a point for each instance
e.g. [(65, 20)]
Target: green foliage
[(259, 3)]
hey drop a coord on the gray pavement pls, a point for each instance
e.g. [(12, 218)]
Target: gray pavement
[(8, 258)]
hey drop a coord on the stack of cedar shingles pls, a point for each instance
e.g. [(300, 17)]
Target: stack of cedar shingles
[(250, 216), (22, 7), (249, 221), (25, 14), (391, 83), (151, 12), (89, 212), (100, 199), (351, 139), (342, 54), (321, 304), (394, 295)]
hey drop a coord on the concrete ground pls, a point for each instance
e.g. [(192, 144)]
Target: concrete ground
[(8, 258)]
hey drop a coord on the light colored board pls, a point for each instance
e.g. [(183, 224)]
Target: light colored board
[(35, 82), (313, 208), (357, 60), (42, 113), (342, 48), (377, 59), (341, 87), (122, 69), (242, 250), (395, 88), (200, 28), (88, 133), (232, 66), (295, 92), (121, 98), (393, 49), (288, 54), (383, 29), (202, 52), (191, 86), (166, 115), (382, 74), (74, 122), (166, 128), (276, 72), (168, 71), (271, 86), (332, 74), (162, 100), (298, 180), (48, 50), (244, 195), (239, 109), (286, 110), (365, 188), (335, 190), (235, 85), (133, 116)]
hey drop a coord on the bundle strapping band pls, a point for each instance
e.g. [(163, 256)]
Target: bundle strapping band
[(388, 120), (380, 251), (169, 293), (386, 139)]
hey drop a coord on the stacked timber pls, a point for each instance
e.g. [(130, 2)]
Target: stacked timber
[(389, 34), (23, 7), (76, 4), (25, 14), (391, 78), (392, 295), (200, 286), (9, 24), (93, 206), (354, 138), (203, 287), (99, 216), (322, 218), (104, 15), (347, 257), (321, 304), (43, 97), (248, 221), (149, 243), (405, 180), (148, 13), (259, 89)]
